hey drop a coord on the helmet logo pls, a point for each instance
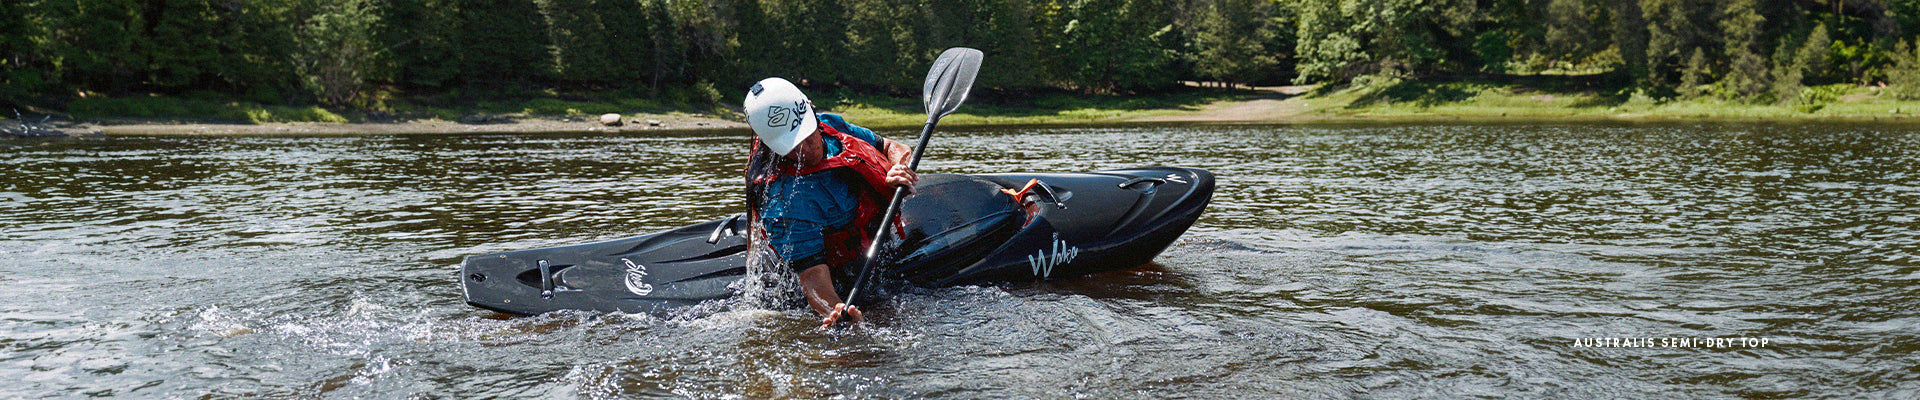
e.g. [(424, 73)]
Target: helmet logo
[(778, 116)]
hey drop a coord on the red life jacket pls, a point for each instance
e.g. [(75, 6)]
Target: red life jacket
[(844, 246)]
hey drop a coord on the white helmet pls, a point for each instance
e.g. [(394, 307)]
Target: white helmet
[(780, 114)]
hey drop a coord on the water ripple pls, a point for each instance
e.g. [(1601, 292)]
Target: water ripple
[(1336, 261)]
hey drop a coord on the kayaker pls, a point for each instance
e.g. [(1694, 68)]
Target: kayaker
[(817, 185)]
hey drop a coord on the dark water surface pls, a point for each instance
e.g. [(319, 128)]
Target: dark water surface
[(1335, 262)]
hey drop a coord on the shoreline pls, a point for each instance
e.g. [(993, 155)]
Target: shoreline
[(516, 124), (1259, 105)]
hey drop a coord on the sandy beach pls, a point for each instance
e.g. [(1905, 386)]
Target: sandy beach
[(1274, 104)]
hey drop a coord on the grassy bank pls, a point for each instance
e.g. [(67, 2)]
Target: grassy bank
[(194, 109), (1490, 98), (1546, 97), (877, 110), (449, 106), (1057, 108), (1586, 98)]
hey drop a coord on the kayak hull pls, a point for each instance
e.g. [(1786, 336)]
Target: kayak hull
[(958, 230)]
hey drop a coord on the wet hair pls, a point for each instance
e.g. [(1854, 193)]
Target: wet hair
[(761, 163)]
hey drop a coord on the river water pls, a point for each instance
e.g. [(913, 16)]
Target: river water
[(1336, 261)]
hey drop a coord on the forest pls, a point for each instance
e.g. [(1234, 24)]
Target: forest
[(363, 54)]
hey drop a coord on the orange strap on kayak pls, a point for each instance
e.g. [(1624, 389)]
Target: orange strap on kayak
[(1022, 194)]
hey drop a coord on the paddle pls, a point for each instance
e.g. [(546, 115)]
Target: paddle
[(947, 85)]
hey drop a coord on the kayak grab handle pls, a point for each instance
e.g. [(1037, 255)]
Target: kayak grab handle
[(546, 280), (725, 226), (1129, 183), (1057, 200)]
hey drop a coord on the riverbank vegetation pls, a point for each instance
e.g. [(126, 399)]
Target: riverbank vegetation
[(1054, 107), (1563, 98), (1048, 60)]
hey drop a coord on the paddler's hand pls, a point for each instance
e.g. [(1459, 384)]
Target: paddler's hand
[(851, 313), (900, 175)]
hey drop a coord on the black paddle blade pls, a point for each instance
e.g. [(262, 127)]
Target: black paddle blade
[(949, 81)]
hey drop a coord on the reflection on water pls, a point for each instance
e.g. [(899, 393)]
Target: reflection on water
[(1380, 261)]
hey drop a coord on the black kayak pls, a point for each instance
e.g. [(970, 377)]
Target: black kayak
[(959, 230)]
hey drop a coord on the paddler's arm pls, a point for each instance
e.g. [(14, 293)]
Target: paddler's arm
[(900, 175), (897, 153), (817, 284)]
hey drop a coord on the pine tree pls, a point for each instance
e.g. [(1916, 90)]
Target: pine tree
[(1231, 36), (1569, 29), (579, 47), (500, 46), (421, 35), (1813, 55), (1629, 36), (1903, 76), (336, 51), (1740, 27), (1113, 45), (1694, 78), (1787, 67), (21, 73), (1674, 26)]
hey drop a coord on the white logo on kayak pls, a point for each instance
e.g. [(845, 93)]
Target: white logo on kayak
[(1175, 178), (1043, 263), (635, 274)]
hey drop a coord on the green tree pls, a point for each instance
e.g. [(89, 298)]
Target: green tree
[(423, 37), (884, 45), (1788, 70), (1589, 33), (1813, 58), (1013, 42), (1694, 78), (1232, 37), (1903, 77), (93, 43), (185, 43), (666, 50), (1630, 35), (1108, 45), (1341, 39), (1330, 48), (260, 46), (337, 51), (748, 43), (1740, 26), (22, 69), (1570, 31), (628, 49), (499, 45), (1015, 35), (1672, 30), (578, 42), (801, 34), (704, 47)]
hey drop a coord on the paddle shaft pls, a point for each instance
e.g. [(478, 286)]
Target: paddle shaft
[(893, 210)]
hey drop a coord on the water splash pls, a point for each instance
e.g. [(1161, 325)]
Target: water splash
[(221, 323), (770, 283)]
